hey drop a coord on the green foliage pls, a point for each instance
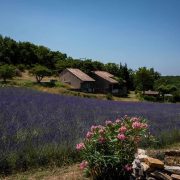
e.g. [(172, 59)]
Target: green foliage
[(109, 96), (150, 98), (28, 54), (168, 80), (40, 72), (7, 72), (35, 157), (176, 96), (145, 78), (166, 138), (21, 67), (108, 151)]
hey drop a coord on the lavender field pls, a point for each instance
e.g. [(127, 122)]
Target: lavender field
[(31, 122), (47, 118)]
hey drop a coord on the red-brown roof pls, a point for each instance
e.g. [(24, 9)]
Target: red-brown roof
[(81, 75), (105, 75)]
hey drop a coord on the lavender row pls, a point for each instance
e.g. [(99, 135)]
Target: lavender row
[(28, 116)]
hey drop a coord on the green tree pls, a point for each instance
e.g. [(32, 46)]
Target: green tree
[(7, 72), (112, 68), (40, 72), (145, 78)]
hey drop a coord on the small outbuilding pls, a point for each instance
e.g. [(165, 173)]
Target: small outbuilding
[(77, 79), (105, 82), (151, 93)]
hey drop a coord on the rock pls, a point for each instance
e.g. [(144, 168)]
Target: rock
[(161, 175), (136, 164), (173, 169), (141, 152), (142, 158), (150, 178), (137, 168), (175, 176), (172, 153), (141, 155), (154, 163), (172, 160), (145, 167)]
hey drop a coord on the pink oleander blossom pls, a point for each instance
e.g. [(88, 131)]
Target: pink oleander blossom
[(89, 135), (121, 137), (100, 127), (136, 125), (93, 128), (83, 165), (122, 129), (118, 121), (109, 123), (134, 119), (80, 146), (101, 131)]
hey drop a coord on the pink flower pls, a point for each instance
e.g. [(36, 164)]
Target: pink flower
[(89, 135), (83, 165), (134, 119), (100, 127), (136, 125), (121, 137), (109, 123), (123, 129), (128, 167), (93, 128), (101, 131), (101, 140), (80, 146), (118, 121)]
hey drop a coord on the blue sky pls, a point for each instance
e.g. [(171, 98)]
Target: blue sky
[(136, 32)]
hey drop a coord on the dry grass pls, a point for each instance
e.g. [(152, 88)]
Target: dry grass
[(65, 173)]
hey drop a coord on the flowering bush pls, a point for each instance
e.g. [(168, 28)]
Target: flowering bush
[(108, 151)]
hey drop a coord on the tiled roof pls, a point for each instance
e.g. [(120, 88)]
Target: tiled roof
[(81, 75), (149, 92), (105, 75)]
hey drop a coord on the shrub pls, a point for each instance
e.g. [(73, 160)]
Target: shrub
[(40, 72), (7, 72), (109, 96), (176, 96), (21, 67), (150, 98), (108, 151)]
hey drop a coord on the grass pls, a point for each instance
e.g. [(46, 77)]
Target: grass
[(64, 173)]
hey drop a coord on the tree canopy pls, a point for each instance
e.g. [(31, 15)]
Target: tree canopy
[(7, 72), (145, 78), (40, 72)]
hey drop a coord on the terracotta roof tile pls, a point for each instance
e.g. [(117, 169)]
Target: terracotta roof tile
[(81, 75), (105, 75)]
